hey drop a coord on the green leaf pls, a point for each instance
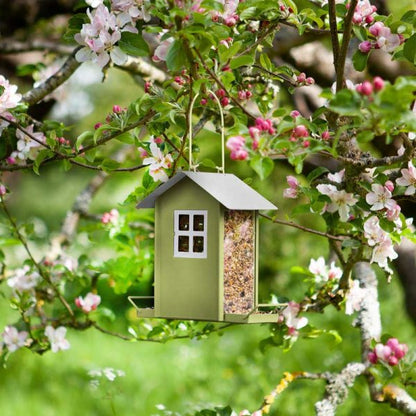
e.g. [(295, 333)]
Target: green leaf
[(244, 60), (316, 173), (365, 136), (176, 57), (208, 163), (409, 49), (133, 44), (42, 155), (82, 137), (360, 32), (346, 103), (359, 60), (263, 166)]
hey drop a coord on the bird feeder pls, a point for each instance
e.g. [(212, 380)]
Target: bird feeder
[(206, 249)]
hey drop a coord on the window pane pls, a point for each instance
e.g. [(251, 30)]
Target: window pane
[(198, 244), (183, 243), (198, 223), (183, 222)]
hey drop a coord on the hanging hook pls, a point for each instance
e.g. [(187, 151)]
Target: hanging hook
[(222, 129)]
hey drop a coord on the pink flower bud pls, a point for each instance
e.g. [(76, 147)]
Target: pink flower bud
[(365, 47), (62, 140), (300, 131), (225, 101), (378, 83), (11, 160), (226, 68), (376, 28), (242, 95), (301, 78), (369, 20), (389, 185), (310, 81), (235, 143), (143, 152), (97, 125), (158, 140), (306, 143), (295, 113), (254, 132), (292, 181), (392, 360), (249, 94), (326, 135), (117, 109), (357, 18), (255, 144), (147, 86), (3, 190), (220, 93), (240, 154), (204, 101), (365, 88), (372, 357), (282, 8)]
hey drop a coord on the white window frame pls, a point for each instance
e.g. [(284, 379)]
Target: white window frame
[(189, 233)]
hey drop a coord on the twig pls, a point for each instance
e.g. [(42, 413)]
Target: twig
[(342, 56), (35, 263), (220, 84), (260, 39), (11, 45), (334, 31), (301, 227)]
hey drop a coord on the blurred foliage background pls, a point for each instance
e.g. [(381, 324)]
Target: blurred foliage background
[(182, 375)]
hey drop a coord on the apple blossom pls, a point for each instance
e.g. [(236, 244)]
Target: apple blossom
[(379, 198), (337, 177), (3, 190), (110, 217), (158, 163), (322, 272), (382, 252), (390, 353), (13, 339), (236, 145), (290, 314), (24, 280), (89, 302), (341, 201), (8, 96), (365, 46), (56, 338), (292, 191), (408, 179), (26, 145)]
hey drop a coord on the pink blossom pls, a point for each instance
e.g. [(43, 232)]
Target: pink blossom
[(117, 109), (322, 272), (393, 213), (3, 190), (408, 179), (13, 339), (162, 50), (326, 135), (363, 12), (382, 253), (8, 98), (89, 303), (265, 124), (391, 352), (379, 198), (236, 145), (56, 338), (295, 113), (111, 216), (373, 232), (292, 191), (341, 201)]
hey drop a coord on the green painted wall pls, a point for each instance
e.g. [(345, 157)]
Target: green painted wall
[(188, 288)]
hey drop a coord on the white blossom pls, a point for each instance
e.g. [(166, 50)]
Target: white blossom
[(8, 96), (23, 279), (408, 179), (26, 146), (56, 338), (354, 297), (13, 339), (379, 198), (158, 163), (341, 201), (290, 314)]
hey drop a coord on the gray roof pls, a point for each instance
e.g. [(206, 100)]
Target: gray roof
[(226, 188)]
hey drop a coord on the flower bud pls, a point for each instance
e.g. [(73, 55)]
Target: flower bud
[(365, 47), (326, 135), (300, 131), (117, 109), (3, 190), (225, 101), (378, 83)]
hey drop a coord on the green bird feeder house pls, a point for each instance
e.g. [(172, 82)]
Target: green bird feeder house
[(206, 249)]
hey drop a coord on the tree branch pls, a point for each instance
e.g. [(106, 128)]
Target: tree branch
[(68, 68), (11, 45)]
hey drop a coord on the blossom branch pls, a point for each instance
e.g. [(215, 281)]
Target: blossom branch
[(337, 389), (67, 69), (11, 46), (301, 227)]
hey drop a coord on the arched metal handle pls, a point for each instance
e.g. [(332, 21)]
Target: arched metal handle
[(191, 107)]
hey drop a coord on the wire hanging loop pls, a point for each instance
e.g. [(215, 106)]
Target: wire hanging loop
[(222, 131)]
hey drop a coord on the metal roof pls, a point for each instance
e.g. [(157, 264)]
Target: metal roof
[(226, 188)]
